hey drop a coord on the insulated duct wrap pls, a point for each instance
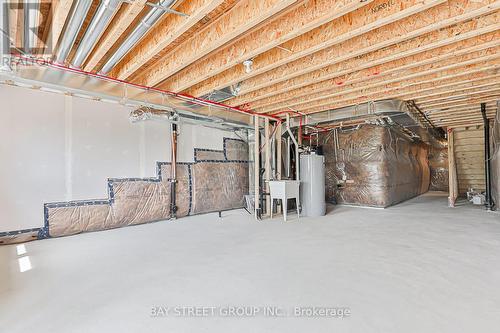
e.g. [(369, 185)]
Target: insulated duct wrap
[(438, 163), (374, 166), (216, 181)]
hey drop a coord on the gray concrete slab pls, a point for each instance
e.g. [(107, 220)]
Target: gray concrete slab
[(415, 267)]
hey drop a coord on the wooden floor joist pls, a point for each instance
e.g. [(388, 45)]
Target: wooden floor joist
[(15, 23), (261, 44), (471, 98), (244, 16), (465, 84), (382, 74), (317, 64), (297, 89), (60, 12), (440, 76), (402, 82), (437, 112), (459, 94), (164, 33)]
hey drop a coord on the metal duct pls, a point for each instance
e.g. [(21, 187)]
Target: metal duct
[(78, 13), (4, 36), (31, 18), (99, 22), (58, 78), (140, 30), (398, 112)]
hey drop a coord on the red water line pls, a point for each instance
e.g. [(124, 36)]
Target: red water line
[(193, 99)]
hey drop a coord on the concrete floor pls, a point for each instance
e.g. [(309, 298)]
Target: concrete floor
[(416, 267)]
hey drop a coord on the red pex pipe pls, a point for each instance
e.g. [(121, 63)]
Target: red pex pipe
[(193, 99)]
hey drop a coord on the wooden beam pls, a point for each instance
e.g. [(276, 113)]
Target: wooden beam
[(267, 163), (457, 94), (462, 85), (473, 110), (161, 35), (15, 23), (322, 65), (400, 83), (381, 74), (452, 168), (302, 88), (432, 113), (315, 30), (124, 18), (461, 122), (404, 86), (47, 28), (279, 163), (60, 12), (257, 165), (469, 103), (407, 92), (456, 113), (245, 15), (472, 98)]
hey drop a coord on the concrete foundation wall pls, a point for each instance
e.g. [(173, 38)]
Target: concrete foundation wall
[(58, 148)]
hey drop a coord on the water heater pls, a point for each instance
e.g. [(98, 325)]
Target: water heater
[(312, 184)]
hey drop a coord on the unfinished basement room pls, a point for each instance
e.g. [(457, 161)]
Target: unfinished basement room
[(250, 166)]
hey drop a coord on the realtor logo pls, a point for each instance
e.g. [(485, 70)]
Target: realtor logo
[(29, 25)]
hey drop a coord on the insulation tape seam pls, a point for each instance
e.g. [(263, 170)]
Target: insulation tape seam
[(44, 231)]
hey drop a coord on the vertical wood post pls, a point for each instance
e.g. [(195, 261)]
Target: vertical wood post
[(452, 170), (278, 148), (257, 167), (267, 163)]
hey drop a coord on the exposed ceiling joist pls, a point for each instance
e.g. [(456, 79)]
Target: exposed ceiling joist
[(459, 93), (163, 34), (322, 65), (340, 30), (60, 12), (404, 87), (419, 64), (245, 15), (302, 31)]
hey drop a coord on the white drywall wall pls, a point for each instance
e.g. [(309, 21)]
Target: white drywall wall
[(58, 148)]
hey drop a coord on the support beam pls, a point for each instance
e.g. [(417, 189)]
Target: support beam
[(42, 44), (443, 76), (452, 171), (438, 111), (257, 167), (320, 64), (461, 101), (163, 34), (123, 20), (242, 17), (267, 164), (459, 87), (15, 22), (451, 113), (389, 72), (401, 85), (279, 164), (487, 158), (303, 31), (471, 117)]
